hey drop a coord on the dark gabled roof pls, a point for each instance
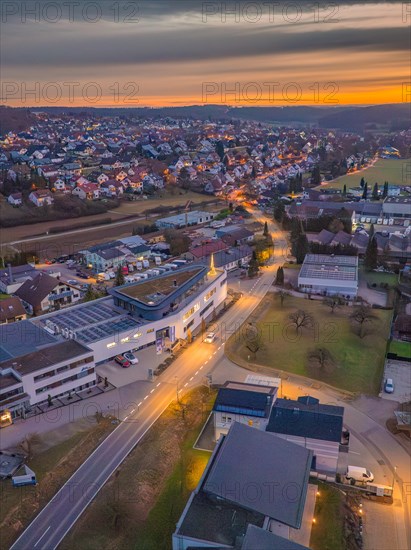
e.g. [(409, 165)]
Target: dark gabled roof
[(254, 402), (33, 291), (311, 420), (257, 538), (10, 308)]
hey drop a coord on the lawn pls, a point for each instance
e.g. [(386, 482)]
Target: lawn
[(356, 363), (378, 278), (403, 349), (53, 466), (328, 530), (141, 504), (396, 172)]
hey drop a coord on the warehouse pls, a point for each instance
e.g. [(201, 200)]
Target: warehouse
[(329, 275)]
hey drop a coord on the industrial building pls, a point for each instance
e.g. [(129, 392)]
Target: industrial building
[(329, 275)]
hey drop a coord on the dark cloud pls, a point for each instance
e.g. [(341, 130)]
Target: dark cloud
[(108, 47)]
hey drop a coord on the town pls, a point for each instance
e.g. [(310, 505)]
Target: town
[(205, 316)]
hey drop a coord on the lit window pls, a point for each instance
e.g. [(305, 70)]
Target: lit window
[(111, 345), (124, 340)]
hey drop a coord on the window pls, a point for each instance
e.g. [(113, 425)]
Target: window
[(223, 282), (227, 419), (190, 312), (111, 345), (209, 294)]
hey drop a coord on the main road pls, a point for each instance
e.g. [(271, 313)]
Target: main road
[(50, 526)]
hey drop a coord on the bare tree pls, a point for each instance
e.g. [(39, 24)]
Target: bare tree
[(333, 302), (283, 295), (301, 319), (322, 359), (362, 315), (28, 444)]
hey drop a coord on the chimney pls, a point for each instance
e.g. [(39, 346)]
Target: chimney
[(10, 273)]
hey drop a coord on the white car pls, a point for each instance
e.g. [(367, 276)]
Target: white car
[(131, 358), (210, 337)]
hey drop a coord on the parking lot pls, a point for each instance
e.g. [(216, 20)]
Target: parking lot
[(400, 372), (119, 376)]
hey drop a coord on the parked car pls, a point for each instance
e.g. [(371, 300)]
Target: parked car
[(131, 358), (389, 385), (210, 337), (82, 275), (72, 282), (122, 361)]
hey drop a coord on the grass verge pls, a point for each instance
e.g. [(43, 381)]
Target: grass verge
[(328, 530)]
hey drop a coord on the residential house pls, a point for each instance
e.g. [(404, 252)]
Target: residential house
[(205, 249), (45, 293), (87, 191), (15, 199), (12, 277), (249, 404), (11, 310), (233, 258), (41, 197)]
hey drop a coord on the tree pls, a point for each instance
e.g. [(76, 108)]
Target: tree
[(371, 254), (90, 294), (179, 243), (301, 319), (362, 182), (265, 232), (49, 400), (253, 267), (365, 191), (375, 194), (362, 315), (279, 278), (283, 295), (372, 231), (385, 190), (316, 175), (28, 443), (344, 190), (322, 359), (333, 302), (279, 211), (184, 179), (219, 147), (301, 248), (119, 280)]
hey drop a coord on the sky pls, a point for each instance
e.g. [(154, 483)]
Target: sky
[(174, 53)]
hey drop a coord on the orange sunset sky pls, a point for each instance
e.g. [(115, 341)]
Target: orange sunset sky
[(183, 53)]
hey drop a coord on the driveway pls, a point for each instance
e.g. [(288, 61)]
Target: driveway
[(400, 372)]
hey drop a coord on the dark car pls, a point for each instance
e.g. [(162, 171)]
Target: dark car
[(122, 361)]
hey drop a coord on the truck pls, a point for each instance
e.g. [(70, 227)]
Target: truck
[(157, 260), (146, 264), (139, 266)]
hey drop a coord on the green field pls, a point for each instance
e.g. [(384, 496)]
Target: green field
[(357, 363), (396, 172), (403, 349)]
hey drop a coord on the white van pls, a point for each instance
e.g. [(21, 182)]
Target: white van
[(359, 474)]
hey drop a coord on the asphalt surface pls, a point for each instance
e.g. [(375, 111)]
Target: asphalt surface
[(50, 526)]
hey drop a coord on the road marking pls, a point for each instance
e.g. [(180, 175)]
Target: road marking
[(133, 411), (125, 418), (202, 366), (179, 391), (158, 384), (210, 357), (219, 347), (48, 528), (186, 384), (152, 390), (191, 378), (140, 403), (145, 398), (196, 373), (354, 453), (205, 363), (214, 353)]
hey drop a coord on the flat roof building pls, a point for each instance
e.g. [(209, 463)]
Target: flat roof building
[(329, 275), (181, 220)]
